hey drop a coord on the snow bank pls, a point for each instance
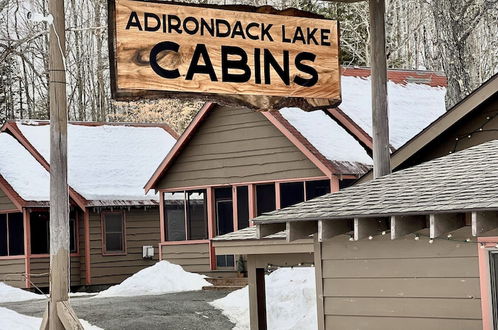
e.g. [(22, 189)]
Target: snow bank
[(107, 162), (11, 294), (15, 164), (290, 301), (13, 320), (163, 277)]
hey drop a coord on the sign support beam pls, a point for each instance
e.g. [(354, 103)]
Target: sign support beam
[(380, 121)]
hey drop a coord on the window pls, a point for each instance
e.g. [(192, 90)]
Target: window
[(243, 207), (291, 193), (493, 263), (113, 232), (11, 234), (317, 188), (185, 215), (265, 198), (224, 210), (40, 232), (226, 260)]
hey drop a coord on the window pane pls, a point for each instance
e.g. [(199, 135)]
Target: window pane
[(227, 260), (16, 234), (114, 242), (265, 198), (344, 183), (291, 193), (243, 207), (224, 210), (317, 188), (174, 206), (197, 215), (72, 232), (39, 223), (113, 222), (114, 232), (3, 235)]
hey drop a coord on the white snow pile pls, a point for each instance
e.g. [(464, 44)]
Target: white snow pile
[(12, 320), (412, 107), (15, 163), (290, 301), (11, 294), (107, 162), (163, 277), (330, 139)]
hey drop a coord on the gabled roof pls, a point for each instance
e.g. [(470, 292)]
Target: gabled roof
[(21, 175), (306, 130), (108, 163), (343, 145), (460, 182)]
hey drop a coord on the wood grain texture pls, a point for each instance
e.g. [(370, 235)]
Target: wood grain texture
[(134, 78)]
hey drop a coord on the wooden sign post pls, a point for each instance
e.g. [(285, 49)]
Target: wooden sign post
[(262, 61)]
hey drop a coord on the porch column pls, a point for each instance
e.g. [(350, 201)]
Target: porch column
[(257, 294)]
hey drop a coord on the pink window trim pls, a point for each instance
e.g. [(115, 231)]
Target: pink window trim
[(485, 279)]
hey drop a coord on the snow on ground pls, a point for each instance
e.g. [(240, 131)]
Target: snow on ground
[(107, 162), (163, 277), (13, 320), (333, 141), (15, 163), (412, 107), (290, 301), (11, 294)]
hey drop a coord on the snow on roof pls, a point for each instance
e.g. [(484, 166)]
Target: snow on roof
[(22, 171), (412, 107), (107, 162), (328, 137)]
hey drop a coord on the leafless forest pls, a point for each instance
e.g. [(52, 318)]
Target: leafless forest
[(457, 37)]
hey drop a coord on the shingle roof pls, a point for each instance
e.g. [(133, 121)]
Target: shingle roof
[(248, 233), (463, 181)]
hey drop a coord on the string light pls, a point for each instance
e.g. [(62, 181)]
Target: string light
[(477, 130), (417, 237), (482, 246), (449, 236), (351, 238), (370, 237), (431, 241)]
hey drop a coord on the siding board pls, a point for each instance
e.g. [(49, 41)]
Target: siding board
[(11, 271), (193, 257), (401, 284), (5, 202), (237, 145)]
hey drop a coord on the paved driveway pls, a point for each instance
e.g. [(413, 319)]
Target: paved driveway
[(185, 310)]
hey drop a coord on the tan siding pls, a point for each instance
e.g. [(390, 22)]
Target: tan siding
[(193, 257), (41, 266), (11, 271), (237, 145), (142, 228), (401, 284), (81, 238), (5, 202)]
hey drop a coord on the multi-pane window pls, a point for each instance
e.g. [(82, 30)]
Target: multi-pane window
[(185, 215), (317, 188), (242, 207), (40, 232), (224, 210), (11, 234), (291, 193), (113, 232)]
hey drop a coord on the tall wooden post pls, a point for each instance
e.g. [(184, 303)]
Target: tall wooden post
[(380, 120), (60, 315)]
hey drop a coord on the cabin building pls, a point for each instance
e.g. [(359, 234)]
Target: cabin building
[(233, 164), (414, 249), (111, 219)]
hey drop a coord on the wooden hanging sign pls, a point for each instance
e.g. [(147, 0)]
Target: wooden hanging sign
[(260, 60)]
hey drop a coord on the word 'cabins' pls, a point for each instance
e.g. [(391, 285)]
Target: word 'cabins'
[(232, 164), (416, 249), (111, 219)]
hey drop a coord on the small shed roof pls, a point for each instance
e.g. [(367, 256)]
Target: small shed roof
[(463, 181), (108, 163)]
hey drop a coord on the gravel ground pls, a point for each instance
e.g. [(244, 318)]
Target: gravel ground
[(185, 310)]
